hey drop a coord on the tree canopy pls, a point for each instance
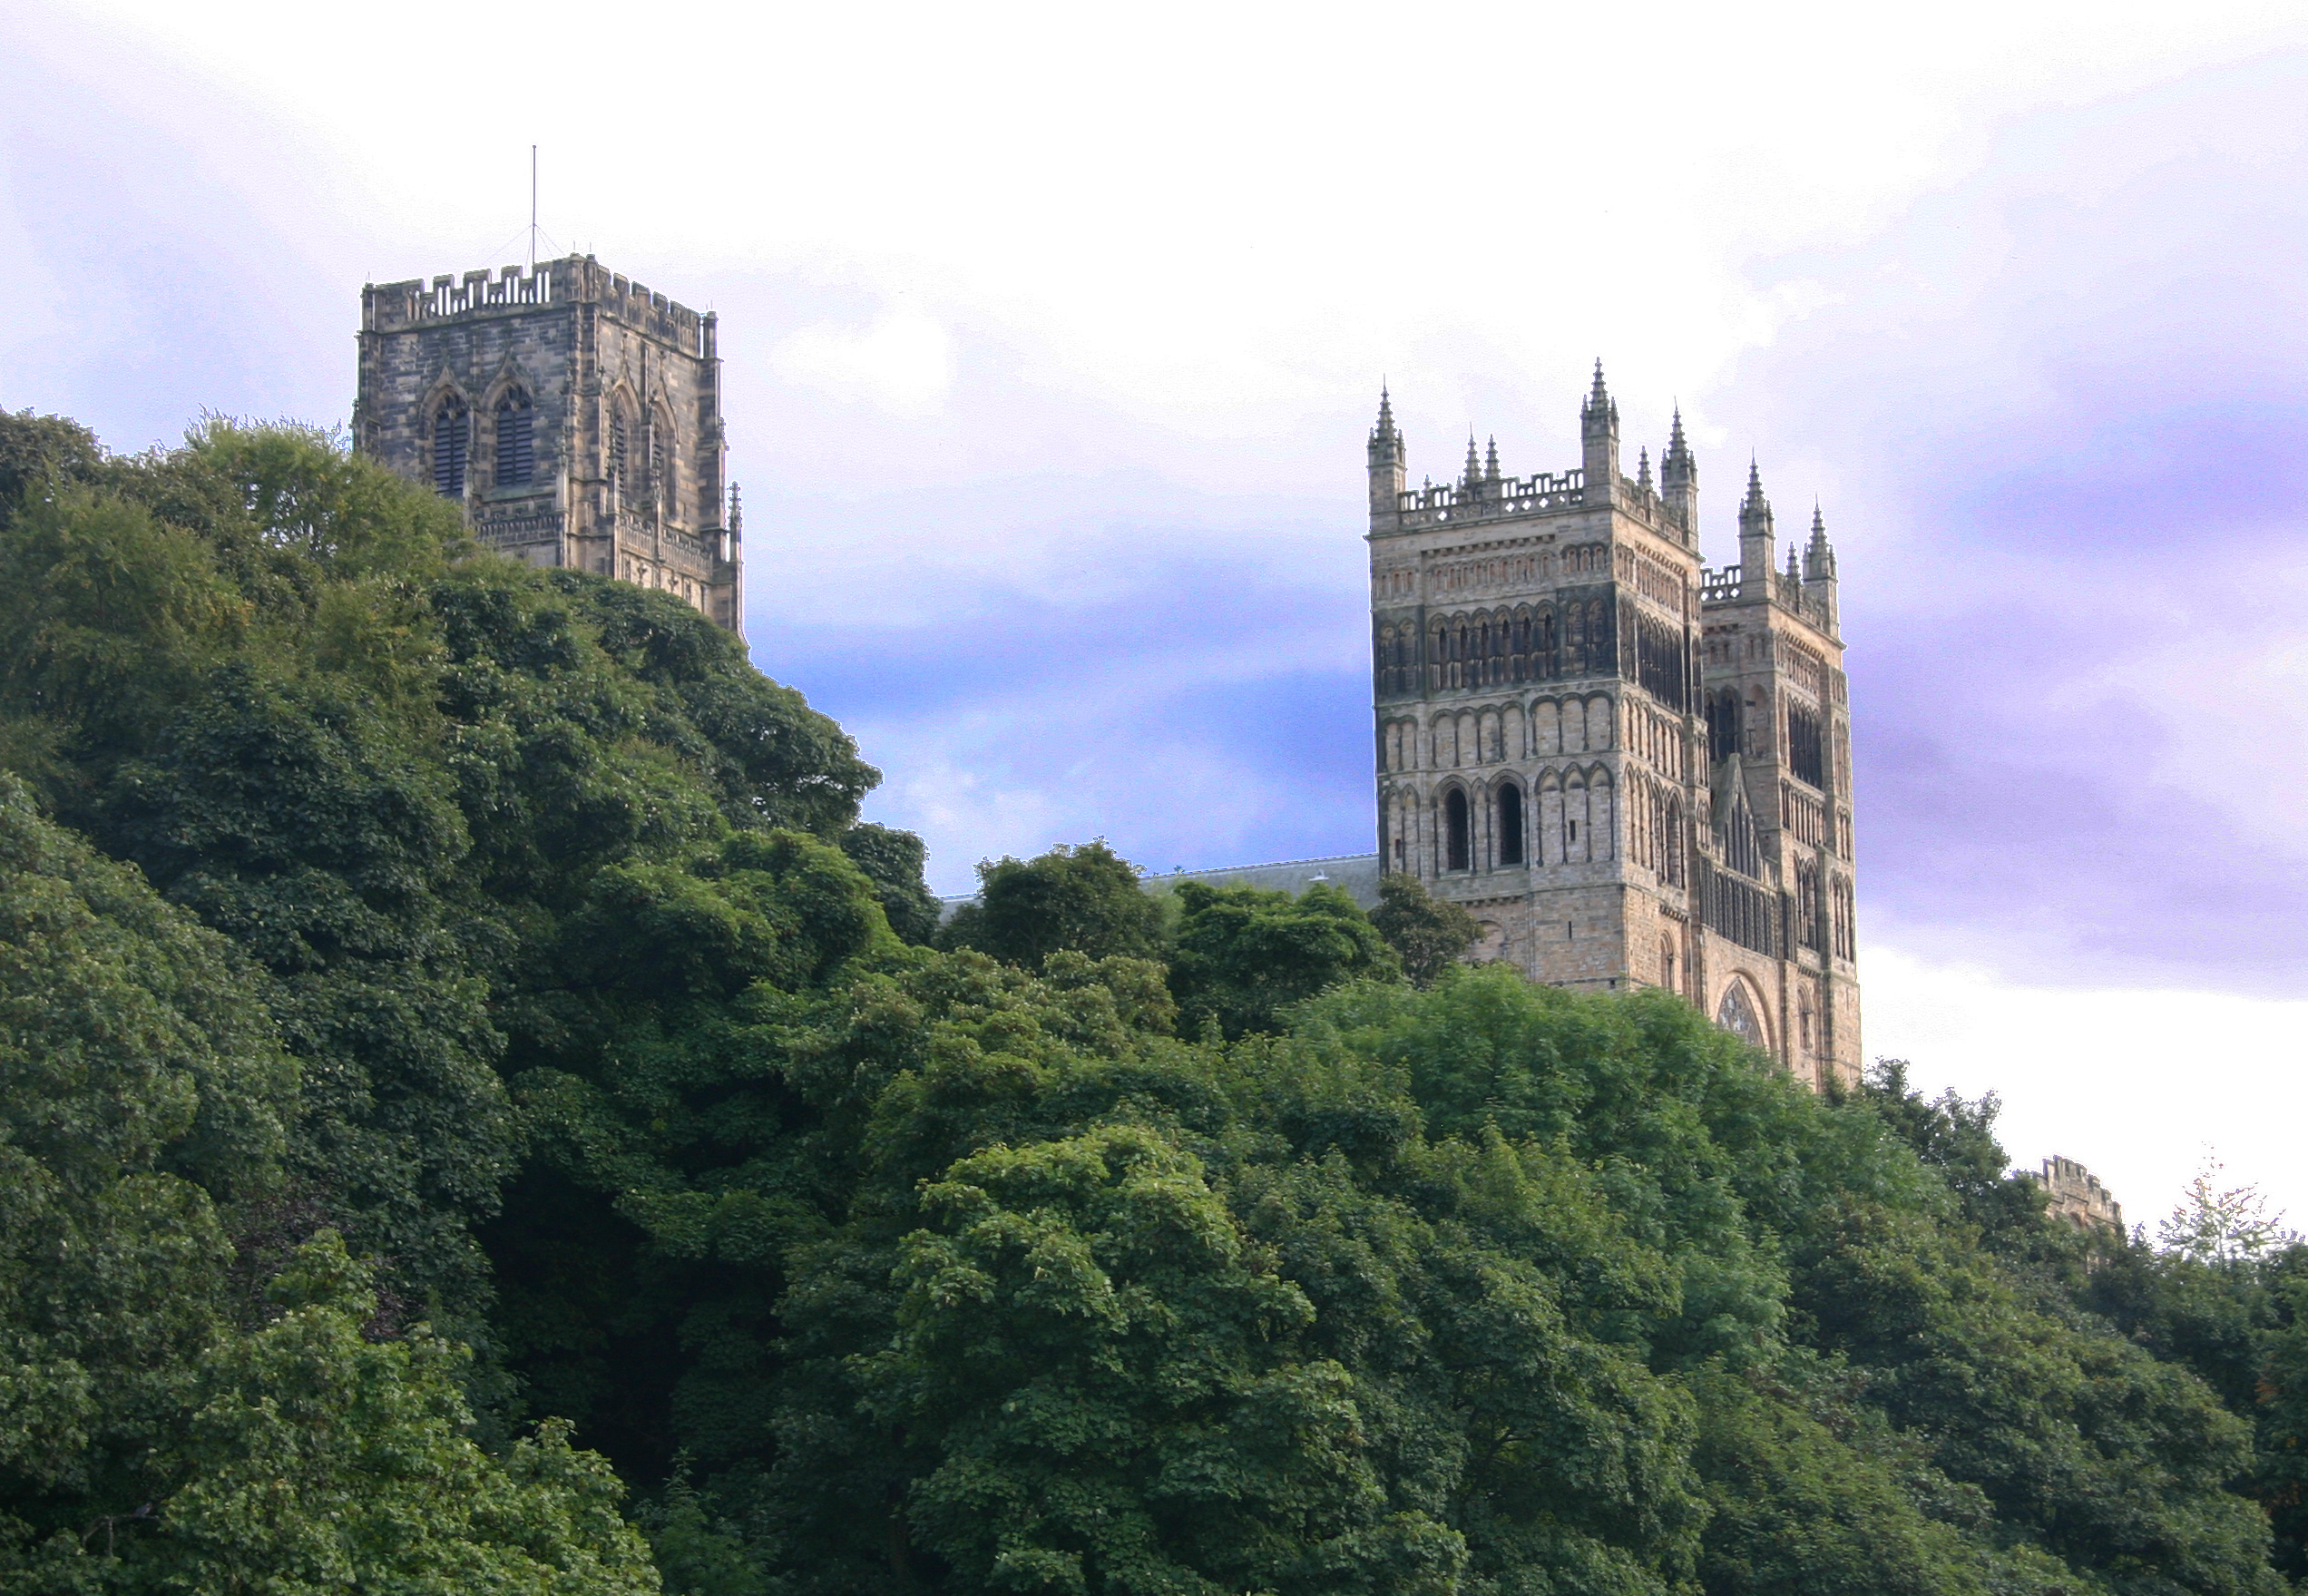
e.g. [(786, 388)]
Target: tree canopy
[(479, 1109)]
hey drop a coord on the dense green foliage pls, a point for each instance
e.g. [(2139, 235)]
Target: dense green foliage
[(451, 1016), (1428, 934), (1081, 899), (1242, 957)]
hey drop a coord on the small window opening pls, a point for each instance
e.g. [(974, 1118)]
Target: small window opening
[(1454, 827), (1509, 826), (451, 438), (516, 451)]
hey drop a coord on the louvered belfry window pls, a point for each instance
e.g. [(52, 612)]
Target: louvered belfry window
[(516, 449), (451, 438), (617, 449)]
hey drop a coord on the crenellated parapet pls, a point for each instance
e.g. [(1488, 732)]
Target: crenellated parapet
[(573, 279), (1460, 503)]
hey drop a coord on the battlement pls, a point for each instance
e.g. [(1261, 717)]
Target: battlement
[(1729, 586), (386, 307), (573, 279), (1539, 493)]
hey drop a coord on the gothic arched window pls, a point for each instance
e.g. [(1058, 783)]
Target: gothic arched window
[(1454, 830), (516, 451), (660, 454), (452, 440), (1510, 824), (1736, 1015), (1807, 927), (1806, 746)]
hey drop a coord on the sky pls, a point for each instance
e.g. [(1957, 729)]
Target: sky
[(1053, 335)]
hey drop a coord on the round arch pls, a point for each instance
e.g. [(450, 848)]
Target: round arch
[(1456, 812)]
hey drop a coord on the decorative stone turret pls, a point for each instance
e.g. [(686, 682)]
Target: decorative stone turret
[(1679, 479), (1819, 575), (1389, 464), (1755, 535), (1598, 433)]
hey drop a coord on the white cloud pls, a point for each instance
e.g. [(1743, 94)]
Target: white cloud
[(2136, 1085), (903, 362)]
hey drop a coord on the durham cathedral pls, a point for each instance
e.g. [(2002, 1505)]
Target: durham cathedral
[(1631, 769)]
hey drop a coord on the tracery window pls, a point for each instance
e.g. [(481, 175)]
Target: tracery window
[(1736, 1015), (452, 440)]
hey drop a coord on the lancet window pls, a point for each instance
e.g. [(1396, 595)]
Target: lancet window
[(516, 442), (452, 442)]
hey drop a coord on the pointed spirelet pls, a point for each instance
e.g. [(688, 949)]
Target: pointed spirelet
[(1795, 571), (1475, 461), (1754, 481), (1675, 441), (1386, 410), (1491, 461), (1643, 466), (1818, 524)]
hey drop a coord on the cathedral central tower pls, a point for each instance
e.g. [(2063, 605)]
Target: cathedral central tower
[(573, 413), (1631, 769)]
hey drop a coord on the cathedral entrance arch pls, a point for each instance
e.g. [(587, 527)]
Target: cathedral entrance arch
[(1740, 1011)]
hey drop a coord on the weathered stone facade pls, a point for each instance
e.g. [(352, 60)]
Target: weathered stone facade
[(576, 415), (1631, 769), (2074, 1194)]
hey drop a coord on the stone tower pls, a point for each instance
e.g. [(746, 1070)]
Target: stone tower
[(576, 415), (1631, 769)]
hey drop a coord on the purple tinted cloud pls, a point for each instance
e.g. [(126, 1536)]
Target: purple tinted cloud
[(2065, 401), (2057, 411)]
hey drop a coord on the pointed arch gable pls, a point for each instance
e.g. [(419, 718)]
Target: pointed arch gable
[(442, 387), (510, 376)]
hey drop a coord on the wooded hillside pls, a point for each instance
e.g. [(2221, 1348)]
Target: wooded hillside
[(479, 1111)]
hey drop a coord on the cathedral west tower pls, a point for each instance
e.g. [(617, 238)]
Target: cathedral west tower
[(573, 413), (1631, 769)]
